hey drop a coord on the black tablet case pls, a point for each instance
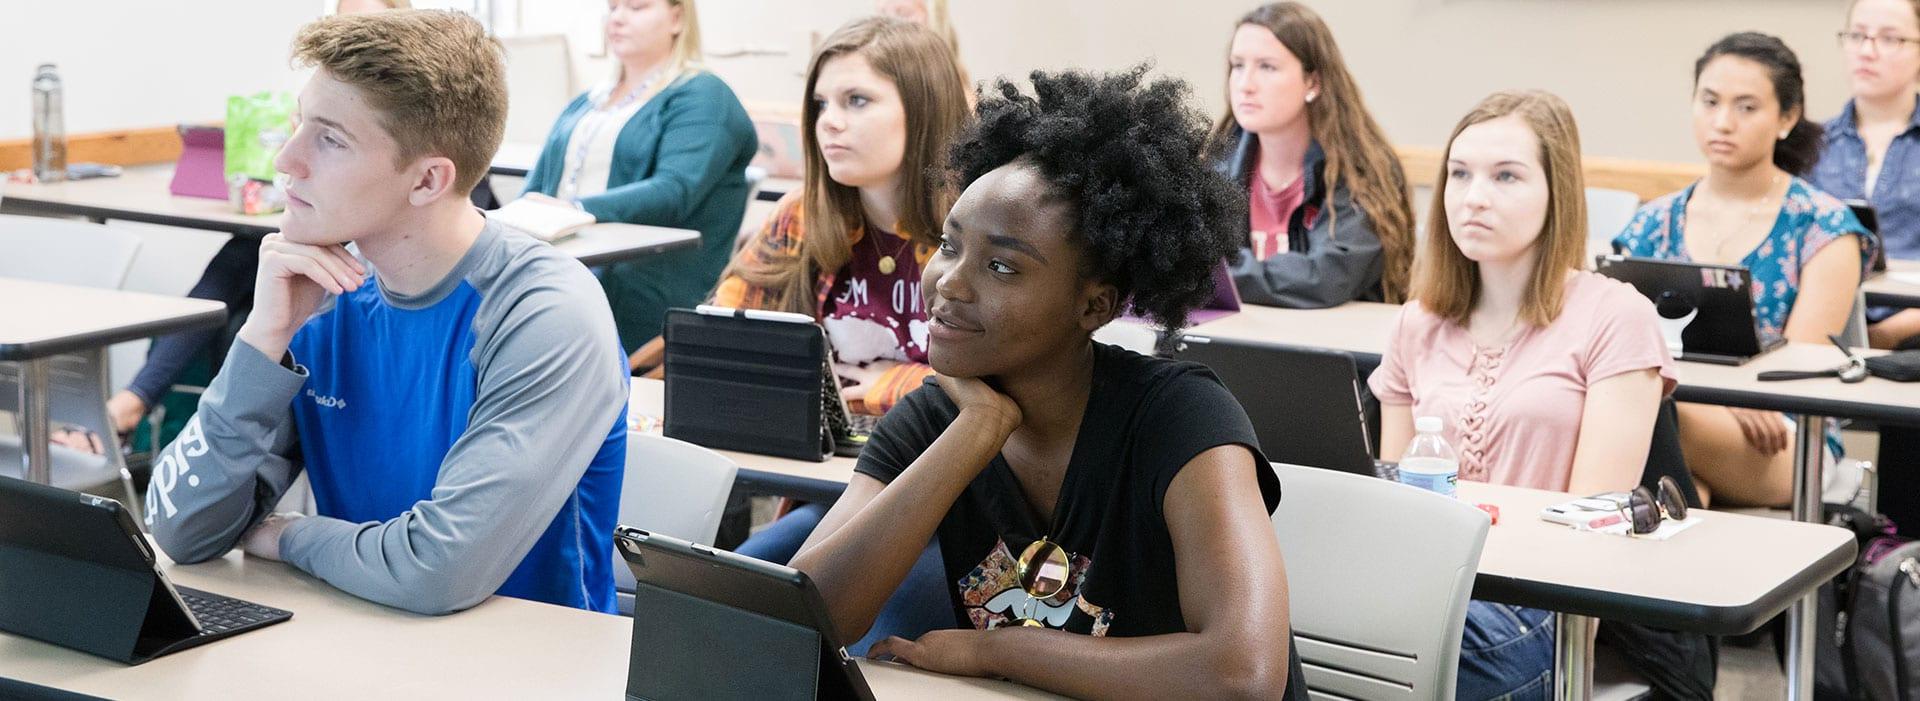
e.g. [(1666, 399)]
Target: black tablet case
[(751, 385)]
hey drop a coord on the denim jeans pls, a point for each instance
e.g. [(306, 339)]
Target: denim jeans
[(1506, 652), (920, 604)]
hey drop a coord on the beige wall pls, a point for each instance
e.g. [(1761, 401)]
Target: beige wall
[(1624, 65)]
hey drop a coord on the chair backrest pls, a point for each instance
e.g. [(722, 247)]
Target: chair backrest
[(1608, 212), (540, 79), (1854, 334), (671, 487), (1379, 575), (76, 396), (66, 251)]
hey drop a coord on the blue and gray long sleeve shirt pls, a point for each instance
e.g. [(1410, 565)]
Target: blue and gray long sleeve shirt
[(462, 442)]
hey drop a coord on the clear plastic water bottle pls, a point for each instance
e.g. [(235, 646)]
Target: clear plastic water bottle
[(1429, 462), (49, 127)]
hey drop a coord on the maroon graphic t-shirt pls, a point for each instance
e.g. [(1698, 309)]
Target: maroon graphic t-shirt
[(874, 310)]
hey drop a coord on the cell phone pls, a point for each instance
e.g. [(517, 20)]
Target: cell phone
[(1586, 512), (83, 171)]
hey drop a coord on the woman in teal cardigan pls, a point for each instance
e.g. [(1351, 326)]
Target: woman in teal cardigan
[(665, 143)]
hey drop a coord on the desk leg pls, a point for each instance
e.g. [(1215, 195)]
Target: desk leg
[(33, 409), (1572, 656), (1809, 454)]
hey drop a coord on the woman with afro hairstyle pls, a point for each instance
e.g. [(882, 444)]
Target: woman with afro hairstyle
[(1102, 515)]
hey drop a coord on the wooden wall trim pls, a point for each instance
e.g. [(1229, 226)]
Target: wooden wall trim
[(1648, 179), (127, 147)]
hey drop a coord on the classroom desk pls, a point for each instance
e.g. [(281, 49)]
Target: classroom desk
[(340, 647), (1899, 286), (518, 159), (1363, 329), (140, 194), (772, 189), (39, 320), (759, 474), (1727, 575), (515, 159)]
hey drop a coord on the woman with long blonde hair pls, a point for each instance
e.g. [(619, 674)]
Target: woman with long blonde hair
[(662, 141)]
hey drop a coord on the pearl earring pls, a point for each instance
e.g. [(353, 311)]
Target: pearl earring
[(1783, 135), (1312, 95)]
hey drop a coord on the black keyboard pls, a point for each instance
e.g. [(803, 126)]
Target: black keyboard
[(219, 615)]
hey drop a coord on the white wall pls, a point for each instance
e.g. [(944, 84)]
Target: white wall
[(1624, 65), (141, 63)]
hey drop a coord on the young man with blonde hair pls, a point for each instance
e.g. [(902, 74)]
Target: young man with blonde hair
[(453, 390)]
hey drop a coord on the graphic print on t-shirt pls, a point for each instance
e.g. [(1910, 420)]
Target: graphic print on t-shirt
[(993, 597), (874, 310)]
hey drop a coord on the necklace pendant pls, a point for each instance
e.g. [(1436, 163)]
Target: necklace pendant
[(886, 265)]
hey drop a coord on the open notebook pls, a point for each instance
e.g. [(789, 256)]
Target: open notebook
[(541, 220)]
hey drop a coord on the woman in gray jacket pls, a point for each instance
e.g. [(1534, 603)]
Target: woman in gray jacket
[(1328, 216)]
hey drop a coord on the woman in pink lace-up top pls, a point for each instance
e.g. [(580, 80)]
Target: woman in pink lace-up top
[(1545, 375), (1507, 339)]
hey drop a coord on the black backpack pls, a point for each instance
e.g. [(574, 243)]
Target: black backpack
[(1868, 644)]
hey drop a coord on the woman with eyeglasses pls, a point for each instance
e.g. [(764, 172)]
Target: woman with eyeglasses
[(1872, 150), (1103, 515), (1807, 252)]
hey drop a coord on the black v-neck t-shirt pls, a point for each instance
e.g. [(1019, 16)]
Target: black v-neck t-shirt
[(1146, 418)]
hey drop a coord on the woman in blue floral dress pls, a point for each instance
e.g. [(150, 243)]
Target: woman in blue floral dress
[(1806, 251)]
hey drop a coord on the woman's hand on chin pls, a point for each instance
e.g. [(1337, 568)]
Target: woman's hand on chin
[(975, 397)]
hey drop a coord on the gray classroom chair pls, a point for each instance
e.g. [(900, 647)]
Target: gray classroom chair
[(68, 252), (77, 396), (671, 487), (1379, 575)]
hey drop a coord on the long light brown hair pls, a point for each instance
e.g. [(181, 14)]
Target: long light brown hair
[(1447, 282), (1358, 155), (923, 70)]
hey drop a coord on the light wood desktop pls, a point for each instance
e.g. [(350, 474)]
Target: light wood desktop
[(1724, 575), (140, 194), (41, 319), (1899, 286), (341, 647)]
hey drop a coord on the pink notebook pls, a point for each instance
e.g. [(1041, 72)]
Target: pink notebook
[(202, 169)]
